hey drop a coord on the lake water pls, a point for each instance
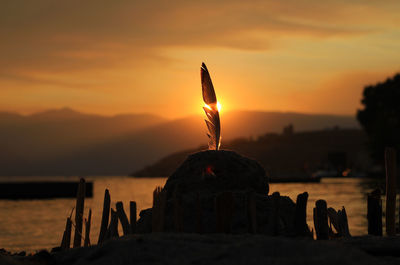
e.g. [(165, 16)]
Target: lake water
[(39, 224)]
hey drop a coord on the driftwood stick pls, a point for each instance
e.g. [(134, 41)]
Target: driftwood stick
[(105, 217), (158, 214), (63, 244), (339, 221), (390, 163), (113, 227), (343, 223), (321, 220), (276, 198), (333, 218), (80, 204), (156, 194), (162, 207), (251, 212), (374, 213), (133, 212), (178, 212), (126, 228), (87, 229), (224, 211), (315, 221), (154, 212), (199, 215), (300, 218), (66, 240)]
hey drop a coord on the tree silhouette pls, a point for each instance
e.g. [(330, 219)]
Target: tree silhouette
[(380, 117)]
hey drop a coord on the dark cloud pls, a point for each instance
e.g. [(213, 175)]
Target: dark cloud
[(66, 38), (40, 33)]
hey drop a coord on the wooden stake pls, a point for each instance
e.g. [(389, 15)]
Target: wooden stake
[(105, 217), (251, 212), (333, 218), (123, 218), (80, 204), (276, 198), (66, 240), (133, 212), (158, 213), (374, 213), (63, 244), (339, 221), (321, 220), (343, 223), (300, 218), (113, 227), (87, 229), (390, 163), (178, 212)]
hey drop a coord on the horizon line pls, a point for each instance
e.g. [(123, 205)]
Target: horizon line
[(65, 108)]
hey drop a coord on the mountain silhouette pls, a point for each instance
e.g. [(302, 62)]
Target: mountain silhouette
[(66, 142), (286, 155)]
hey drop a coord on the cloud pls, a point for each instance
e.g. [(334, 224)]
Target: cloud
[(64, 35), (112, 51)]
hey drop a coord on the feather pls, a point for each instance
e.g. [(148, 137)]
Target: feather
[(209, 96), (211, 110)]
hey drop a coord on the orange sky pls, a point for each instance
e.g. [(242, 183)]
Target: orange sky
[(118, 56)]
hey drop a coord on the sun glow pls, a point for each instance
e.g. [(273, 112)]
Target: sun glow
[(219, 107)]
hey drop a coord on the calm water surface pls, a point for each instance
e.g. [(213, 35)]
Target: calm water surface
[(39, 224)]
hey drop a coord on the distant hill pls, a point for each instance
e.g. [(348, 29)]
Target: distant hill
[(66, 142), (286, 155), (34, 144)]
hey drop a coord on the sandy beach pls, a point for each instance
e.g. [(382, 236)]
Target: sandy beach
[(222, 249)]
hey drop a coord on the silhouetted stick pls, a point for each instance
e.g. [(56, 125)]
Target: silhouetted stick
[(158, 213), (321, 220), (80, 204), (66, 240), (343, 223), (251, 212), (178, 212), (333, 218), (276, 197), (374, 213), (339, 221), (62, 245), (113, 227), (105, 216), (224, 211), (300, 217), (132, 211), (123, 218), (156, 194), (87, 229), (390, 163), (199, 215)]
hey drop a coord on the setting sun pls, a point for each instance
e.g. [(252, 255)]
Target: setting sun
[(219, 106)]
